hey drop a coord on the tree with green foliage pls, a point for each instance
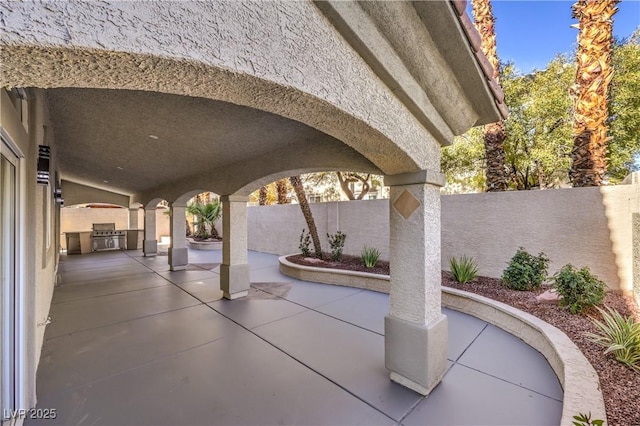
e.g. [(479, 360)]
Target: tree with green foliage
[(463, 163), (538, 133), (539, 141)]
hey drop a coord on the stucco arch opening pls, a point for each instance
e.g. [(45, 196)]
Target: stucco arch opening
[(85, 68), (153, 203)]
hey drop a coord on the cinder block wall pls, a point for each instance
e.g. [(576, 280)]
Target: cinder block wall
[(276, 229), (583, 226)]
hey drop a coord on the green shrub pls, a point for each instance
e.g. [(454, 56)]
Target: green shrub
[(585, 420), (621, 336), (336, 241), (305, 242), (370, 256), (464, 269), (525, 271), (578, 288)]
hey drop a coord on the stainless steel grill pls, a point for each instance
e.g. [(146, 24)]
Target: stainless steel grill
[(105, 236)]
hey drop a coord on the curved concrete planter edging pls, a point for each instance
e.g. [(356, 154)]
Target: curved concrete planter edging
[(204, 245), (576, 375)]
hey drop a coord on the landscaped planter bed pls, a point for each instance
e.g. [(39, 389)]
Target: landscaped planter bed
[(204, 244), (620, 386)]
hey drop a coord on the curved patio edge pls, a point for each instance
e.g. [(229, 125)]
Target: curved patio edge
[(204, 245), (577, 376)]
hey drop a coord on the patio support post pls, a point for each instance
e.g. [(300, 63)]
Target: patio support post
[(133, 217), (178, 253), (416, 331), (234, 270), (150, 247), (132, 232)]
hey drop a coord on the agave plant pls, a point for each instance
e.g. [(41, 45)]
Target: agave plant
[(620, 335), (464, 269), (370, 256)]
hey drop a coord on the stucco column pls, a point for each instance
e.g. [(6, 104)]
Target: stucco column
[(234, 271), (133, 218), (132, 232), (178, 253), (150, 247), (416, 331)]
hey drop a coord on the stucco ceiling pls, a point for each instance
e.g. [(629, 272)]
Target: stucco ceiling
[(110, 135)]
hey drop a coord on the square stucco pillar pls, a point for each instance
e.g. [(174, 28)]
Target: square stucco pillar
[(234, 270), (133, 218), (132, 232), (150, 246), (416, 331), (178, 253)]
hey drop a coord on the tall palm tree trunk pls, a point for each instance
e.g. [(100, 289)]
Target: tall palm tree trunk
[(281, 189), (306, 212), (494, 133), (262, 196), (593, 75)]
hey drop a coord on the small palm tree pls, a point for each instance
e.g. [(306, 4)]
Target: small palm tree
[(211, 213), (206, 216)]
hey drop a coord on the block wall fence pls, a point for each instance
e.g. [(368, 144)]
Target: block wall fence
[(592, 227)]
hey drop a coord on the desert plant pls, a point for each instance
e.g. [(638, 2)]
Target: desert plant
[(336, 241), (585, 420), (578, 288), (206, 215), (305, 242), (464, 269), (620, 335), (200, 228), (370, 256), (211, 213), (525, 271)]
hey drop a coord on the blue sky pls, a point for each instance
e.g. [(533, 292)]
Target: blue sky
[(531, 33)]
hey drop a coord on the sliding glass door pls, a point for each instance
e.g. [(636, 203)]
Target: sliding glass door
[(8, 249)]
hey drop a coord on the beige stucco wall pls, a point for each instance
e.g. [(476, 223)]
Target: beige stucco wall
[(38, 265), (81, 219), (276, 229), (45, 239), (583, 226)]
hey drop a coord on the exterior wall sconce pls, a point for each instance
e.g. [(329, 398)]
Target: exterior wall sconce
[(57, 195), (44, 155)]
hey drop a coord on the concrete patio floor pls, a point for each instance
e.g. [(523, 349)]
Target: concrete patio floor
[(132, 343)]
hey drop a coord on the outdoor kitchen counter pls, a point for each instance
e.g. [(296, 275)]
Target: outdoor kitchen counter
[(78, 242)]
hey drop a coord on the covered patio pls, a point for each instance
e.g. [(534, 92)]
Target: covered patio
[(132, 342)]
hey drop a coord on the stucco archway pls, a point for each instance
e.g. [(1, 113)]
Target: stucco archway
[(341, 79)]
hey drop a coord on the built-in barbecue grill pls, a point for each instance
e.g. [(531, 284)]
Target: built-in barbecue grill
[(104, 236)]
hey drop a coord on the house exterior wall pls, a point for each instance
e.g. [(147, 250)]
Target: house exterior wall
[(583, 226), (38, 219)]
